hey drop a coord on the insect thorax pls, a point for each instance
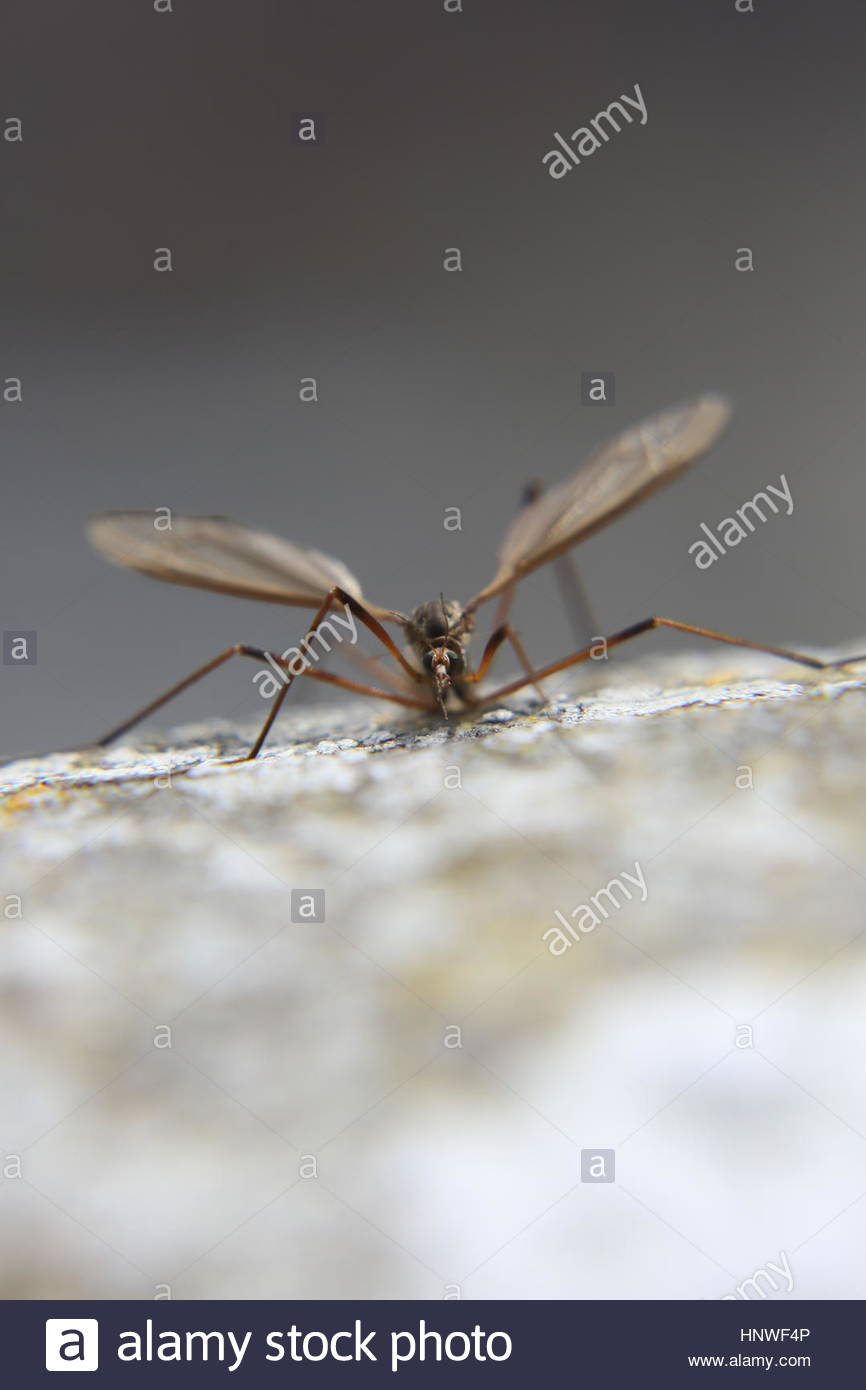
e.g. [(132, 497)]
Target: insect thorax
[(439, 618)]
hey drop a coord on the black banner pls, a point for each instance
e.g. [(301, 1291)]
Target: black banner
[(421, 1344)]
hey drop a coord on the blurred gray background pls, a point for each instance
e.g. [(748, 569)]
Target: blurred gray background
[(144, 130)]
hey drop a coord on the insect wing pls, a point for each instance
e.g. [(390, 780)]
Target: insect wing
[(211, 552), (614, 478)]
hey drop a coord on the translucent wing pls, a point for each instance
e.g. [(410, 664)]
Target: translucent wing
[(614, 478), (211, 552)]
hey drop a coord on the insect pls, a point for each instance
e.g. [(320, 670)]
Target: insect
[(433, 672)]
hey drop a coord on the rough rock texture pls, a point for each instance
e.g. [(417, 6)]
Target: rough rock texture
[(395, 1100)]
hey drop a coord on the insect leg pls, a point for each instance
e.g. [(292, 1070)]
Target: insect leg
[(345, 683), (648, 625), (240, 649), (257, 654), (505, 633), (358, 609), (568, 579), (394, 680)]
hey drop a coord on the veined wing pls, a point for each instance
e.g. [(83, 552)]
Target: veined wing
[(615, 477), (212, 552)]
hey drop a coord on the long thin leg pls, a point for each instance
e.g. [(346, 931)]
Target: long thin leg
[(523, 657), (575, 597), (346, 684), (505, 633), (394, 680), (531, 492), (257, 654), (503, 608), (366, 618), (239, 649), (569, 582), (648, 625), (494, 642)]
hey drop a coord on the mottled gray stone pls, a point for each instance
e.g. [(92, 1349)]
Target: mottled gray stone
[(155, 881)]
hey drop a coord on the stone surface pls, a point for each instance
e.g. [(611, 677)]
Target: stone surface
[(395, 1100)]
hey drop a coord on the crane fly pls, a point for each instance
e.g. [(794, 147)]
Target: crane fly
[(432, 673)]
